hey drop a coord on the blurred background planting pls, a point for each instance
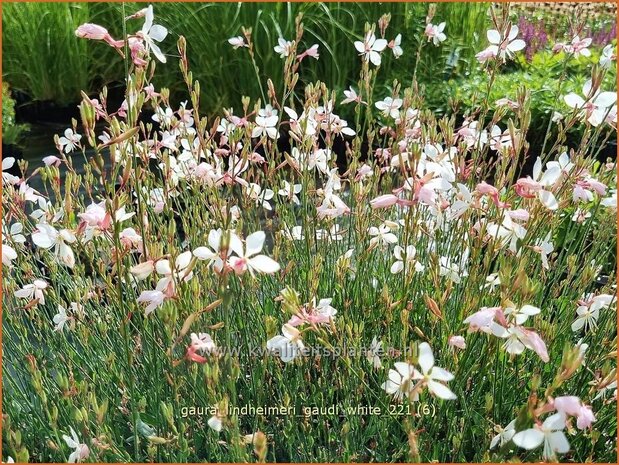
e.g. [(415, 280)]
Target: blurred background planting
[(46, 66)]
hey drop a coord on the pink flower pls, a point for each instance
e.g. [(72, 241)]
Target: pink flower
[(570, 405), (310, 52), (314, 314), (533, 341), (435, 33), (388, 200), (96, 32), (91, 31), (153, 298), (519, 214), (585, 417), (138, 50), (486, 55), (486, 189), (483, 320), (52, 160), (457, 341)]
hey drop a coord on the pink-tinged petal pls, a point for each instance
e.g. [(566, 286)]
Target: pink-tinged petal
[(359, 46), (533, 341), (570, 405), (384, 201)]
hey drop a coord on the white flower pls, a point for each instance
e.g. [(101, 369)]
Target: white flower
[(33, 291), (594, 107), (563, 164), (611, 201), (60, 318), (202, 342), (390, 107), (374, 353), (504, 435), (153, 32), (8, 178), (289, 346), (247, 260), (290, 192), (395, 46), (237, 42), (589, 311), (492, 280), (169, 275), (522, 314), (265, 126), (607, 56), (260, 196), (382, 235), (14, 233), (47, 236), (351, 96), (505, 45), (451, 269), (433, 376), (544, 247), (80, 451), (407, 257), (283, 47), (8, 254), (215, 423), (435, 33), (550, 433), (69, 141), (400, 383), (371, 47), (213, 254), (293, 234)]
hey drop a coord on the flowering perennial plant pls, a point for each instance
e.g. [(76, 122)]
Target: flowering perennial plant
[(194, 262)]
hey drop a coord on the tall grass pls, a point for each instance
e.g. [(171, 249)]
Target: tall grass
[(43, 58), (41, 55)]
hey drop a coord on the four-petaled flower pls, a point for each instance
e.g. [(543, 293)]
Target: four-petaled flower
[(370, 48)]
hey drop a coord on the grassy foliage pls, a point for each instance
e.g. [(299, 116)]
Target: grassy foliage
[(114, 273)]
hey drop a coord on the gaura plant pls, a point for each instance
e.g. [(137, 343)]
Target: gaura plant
[(280, 258)]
